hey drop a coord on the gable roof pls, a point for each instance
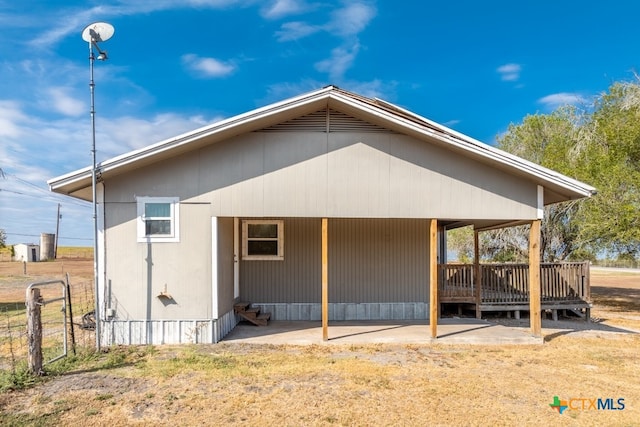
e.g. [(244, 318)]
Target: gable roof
[(377, 112)]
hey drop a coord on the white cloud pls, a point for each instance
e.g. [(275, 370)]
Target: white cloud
[(295, 30), (72, 20), (371, 89), (68, 141), (207, 67), (279, 91), (563, 98), (351, 19), (509, 72), (341, 60), (63, 103), (10, 118), (280, 8), (124, 134), (347, 23), (452, 123)]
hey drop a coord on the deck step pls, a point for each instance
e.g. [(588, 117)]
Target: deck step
[(263, 319), (251, 314), (241, 306)]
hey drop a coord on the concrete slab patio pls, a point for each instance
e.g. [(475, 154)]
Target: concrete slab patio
[(450, 331)]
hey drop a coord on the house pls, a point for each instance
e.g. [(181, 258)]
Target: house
[(326, 206)]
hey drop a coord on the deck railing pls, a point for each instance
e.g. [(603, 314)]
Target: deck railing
[(456, 282), (509, 283)]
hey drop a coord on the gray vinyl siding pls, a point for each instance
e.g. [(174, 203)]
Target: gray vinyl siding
[(297, 277), (336, 175), (136, 272), (378, 260), (370, 260), (356, 175)]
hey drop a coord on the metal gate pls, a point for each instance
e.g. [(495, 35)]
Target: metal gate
[(34, 303)]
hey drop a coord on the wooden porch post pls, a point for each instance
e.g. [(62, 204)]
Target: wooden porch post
[(477, 272), (325, 280), (433, 277), (534, 279)]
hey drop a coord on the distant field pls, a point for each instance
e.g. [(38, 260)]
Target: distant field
[(75, 252), (79, 252)]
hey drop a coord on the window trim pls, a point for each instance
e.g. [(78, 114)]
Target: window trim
[(174, 205), (245, 240)]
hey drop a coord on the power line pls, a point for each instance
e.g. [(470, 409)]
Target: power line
[(37, 235), (24, 181), (49, 197), (14, 192)]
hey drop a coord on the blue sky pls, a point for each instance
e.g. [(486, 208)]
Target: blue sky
[(176, 65)]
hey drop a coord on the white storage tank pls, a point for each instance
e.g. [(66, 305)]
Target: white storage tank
[(47, 246)]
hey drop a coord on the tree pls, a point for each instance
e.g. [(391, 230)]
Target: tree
[(460, 240), (601, 146), (598, 144), (612, 158)]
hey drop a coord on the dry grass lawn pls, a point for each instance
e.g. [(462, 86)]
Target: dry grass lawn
[(387, 385)]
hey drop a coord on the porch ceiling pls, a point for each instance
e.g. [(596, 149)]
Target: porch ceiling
[(480, 225)]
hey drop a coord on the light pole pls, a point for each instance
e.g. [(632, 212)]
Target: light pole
[(93, 34)]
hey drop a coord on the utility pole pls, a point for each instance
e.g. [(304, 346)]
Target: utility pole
[(55, 244)]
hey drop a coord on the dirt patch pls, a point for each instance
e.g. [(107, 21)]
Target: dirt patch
[(343, 385), (16, 276), (82, 268)]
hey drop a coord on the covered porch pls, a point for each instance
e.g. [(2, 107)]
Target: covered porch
[(437, 250), (395, 268), (440, 283)]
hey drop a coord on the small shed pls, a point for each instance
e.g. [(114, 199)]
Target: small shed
[(27, 252)]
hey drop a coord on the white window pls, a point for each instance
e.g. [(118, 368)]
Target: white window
[(263, 240), (158, 219)]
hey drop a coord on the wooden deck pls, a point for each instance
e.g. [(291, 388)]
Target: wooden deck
[(505, 287)]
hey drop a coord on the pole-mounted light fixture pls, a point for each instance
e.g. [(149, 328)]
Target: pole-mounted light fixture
[(93, 34)]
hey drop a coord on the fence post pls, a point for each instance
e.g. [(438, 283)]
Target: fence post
[(73, 334), (34, 331)]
